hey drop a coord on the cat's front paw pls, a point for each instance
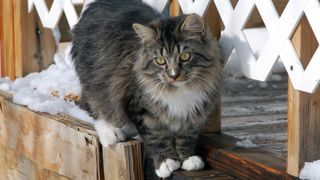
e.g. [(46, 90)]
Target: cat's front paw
[(193, 163), (167, 167), (108, 134)]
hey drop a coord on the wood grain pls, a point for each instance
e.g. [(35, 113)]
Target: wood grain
[(1, 40), (41, 146), (34, 45), (222, 154), (8, 39), (36, 145), (303, 108), (124, 161), (201, 175)]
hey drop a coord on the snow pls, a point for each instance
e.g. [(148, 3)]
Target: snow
[(46, 91), (311, 170), (246, 143), (257, 38)]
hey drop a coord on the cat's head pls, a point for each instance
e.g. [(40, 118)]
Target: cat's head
[(178, 52)]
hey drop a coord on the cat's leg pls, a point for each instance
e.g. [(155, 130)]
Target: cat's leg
[(160, 145), (185, 146), (108, 134)]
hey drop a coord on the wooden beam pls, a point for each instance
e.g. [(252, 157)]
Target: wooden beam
[(303, 108), (124, 161), (8, 39), (222, 154)]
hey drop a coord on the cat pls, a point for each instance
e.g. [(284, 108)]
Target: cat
[(160, 75)]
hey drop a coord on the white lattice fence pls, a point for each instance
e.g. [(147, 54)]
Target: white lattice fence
[(280, 30), (50, 18)]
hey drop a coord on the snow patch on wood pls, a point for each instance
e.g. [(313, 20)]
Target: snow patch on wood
[(53, 90)]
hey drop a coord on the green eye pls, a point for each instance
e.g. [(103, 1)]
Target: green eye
[(185, 56), (160, 60)]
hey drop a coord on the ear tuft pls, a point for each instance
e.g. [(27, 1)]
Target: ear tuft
[(146, 34), (193, 24)]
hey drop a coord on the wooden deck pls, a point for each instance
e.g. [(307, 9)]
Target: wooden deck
[(253, 110), (257, 111)]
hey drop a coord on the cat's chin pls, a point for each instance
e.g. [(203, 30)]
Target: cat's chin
[(179, 83)]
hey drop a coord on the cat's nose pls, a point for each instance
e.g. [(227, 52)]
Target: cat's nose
[(174, 73)]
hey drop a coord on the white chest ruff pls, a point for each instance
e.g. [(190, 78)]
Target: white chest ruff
[(182, 103)]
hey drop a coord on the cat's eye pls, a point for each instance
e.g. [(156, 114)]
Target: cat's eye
[(185, 56), (160, 60)]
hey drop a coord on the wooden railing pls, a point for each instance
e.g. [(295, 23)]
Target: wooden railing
[(26, 46)]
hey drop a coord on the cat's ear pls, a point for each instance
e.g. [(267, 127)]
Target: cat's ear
[(146, 34), (193, 24)]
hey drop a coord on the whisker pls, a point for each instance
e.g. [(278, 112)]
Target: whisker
[(205, 80)]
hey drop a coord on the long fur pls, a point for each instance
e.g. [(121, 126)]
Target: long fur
[(121, 82)]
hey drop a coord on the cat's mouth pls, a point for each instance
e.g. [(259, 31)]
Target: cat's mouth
[(179, 83)]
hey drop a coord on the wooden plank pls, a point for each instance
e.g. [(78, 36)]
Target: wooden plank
[(222, 154), (8, 39), (200, 175), (303, 108), (34, 45), (60, 147), (124, 161), (35, 145), (175, 8), (1, 40)]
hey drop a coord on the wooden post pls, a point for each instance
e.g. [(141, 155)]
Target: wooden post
[(303, 109), (8, 39), (25, 45), (34, 45), (124, 161), (175, 8), (1, 39)]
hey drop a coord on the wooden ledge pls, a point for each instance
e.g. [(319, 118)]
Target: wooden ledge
[(222, 154), (37, 145)]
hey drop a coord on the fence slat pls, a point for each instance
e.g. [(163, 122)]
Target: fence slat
[(303, 109), (8, 38)]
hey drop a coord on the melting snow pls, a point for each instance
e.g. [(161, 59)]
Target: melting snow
[(47, 90), (246, 143), (311, 170)]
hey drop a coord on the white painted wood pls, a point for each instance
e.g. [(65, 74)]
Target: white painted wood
[(50, 18), (280, 30), (159, 5), (197, 6), (279, 45)]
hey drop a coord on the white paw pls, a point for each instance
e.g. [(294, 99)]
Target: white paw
[(107, 133), (193, 163), (167, 167)]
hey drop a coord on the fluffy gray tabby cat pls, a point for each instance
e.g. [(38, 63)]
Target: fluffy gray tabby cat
[(161, 74)]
